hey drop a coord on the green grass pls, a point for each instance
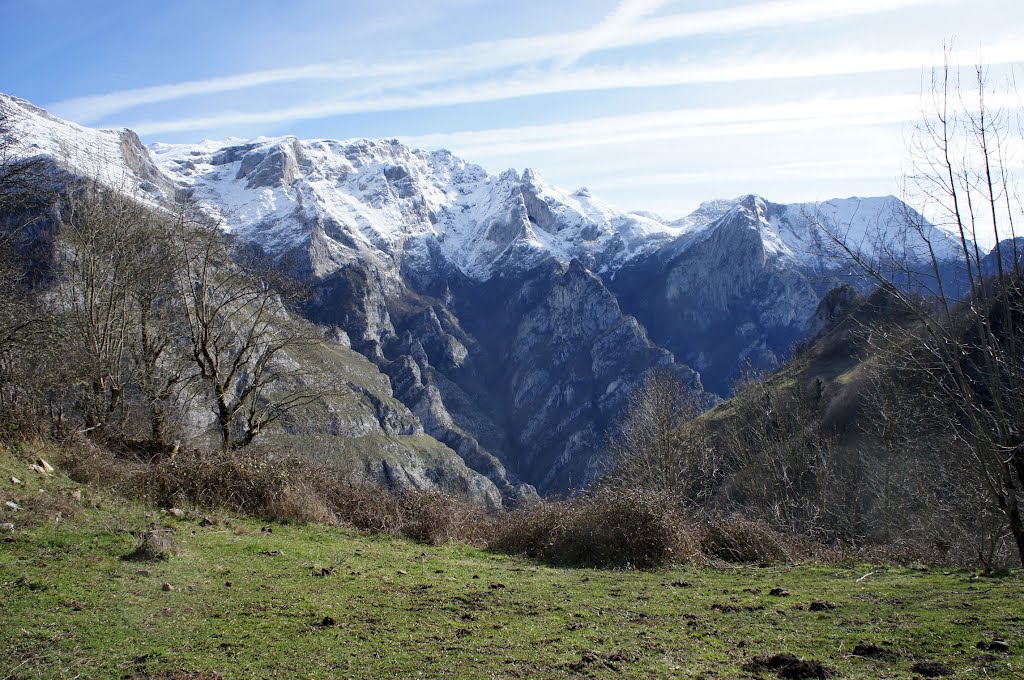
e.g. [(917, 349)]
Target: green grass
[(71, 607)]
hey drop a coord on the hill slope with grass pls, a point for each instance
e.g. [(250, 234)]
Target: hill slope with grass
[(224, 595)]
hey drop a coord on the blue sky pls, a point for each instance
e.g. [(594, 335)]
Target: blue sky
[(653, 105)]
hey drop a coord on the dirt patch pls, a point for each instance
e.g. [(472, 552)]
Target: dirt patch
[(995, 645), (788, 666), (931, 669), (728, 608), (326, 622), (610, 660), (872, 651)]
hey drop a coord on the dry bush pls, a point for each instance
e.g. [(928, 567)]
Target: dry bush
[(896, 552), (284, 488), (607, 528), (248, 481), (735, 539), (436, 518), (426, 516), (532, 530), (89, 463)]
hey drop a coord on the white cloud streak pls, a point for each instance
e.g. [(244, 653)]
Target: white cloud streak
[(681, 124), (622, 28), (593, 79), (802, 116), (835, 169), (625, 14)]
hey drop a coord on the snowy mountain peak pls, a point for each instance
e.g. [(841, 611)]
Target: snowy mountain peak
[(115, 157), (809, 234), (384, 197)]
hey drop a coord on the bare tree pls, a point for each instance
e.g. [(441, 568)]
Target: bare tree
[(160, 351), (241, 335), (925, 487), (659, 444), (783, 459), (100, 233), (964, 354), (25, 326)]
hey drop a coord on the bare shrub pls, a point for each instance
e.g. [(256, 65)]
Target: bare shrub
[(606, 528), (896, 552), (247, 481), (302, 501), (660, 444), (426, 516), (735, 539), (285, 488), (437, 518), (90, 463)]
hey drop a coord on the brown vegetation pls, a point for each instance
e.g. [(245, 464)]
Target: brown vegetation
[(610, 528), (606, 528)]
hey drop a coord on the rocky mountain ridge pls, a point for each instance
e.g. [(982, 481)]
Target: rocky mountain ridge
[(512, 318)]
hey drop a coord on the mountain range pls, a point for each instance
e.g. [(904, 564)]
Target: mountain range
[(498, 323)]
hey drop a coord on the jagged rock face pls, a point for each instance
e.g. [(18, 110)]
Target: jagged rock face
[(1007, 255), (354, 298), (417, 356), (561, 359), (516, 368), (718, 298), (836, 304)]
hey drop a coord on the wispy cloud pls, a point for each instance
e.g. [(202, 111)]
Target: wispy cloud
[(621, 18), (807, 114), (831, 169), (758, 67), (628, 25), (820, 113)]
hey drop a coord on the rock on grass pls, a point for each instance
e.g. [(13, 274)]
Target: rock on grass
[(154, 545)]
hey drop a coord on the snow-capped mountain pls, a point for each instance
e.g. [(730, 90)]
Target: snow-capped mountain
[(818, 234), (382, 197), (117, 158), (512, 318)]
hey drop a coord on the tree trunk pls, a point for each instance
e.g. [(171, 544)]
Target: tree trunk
[(156, 422), (1012, 510), (224, 418)]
